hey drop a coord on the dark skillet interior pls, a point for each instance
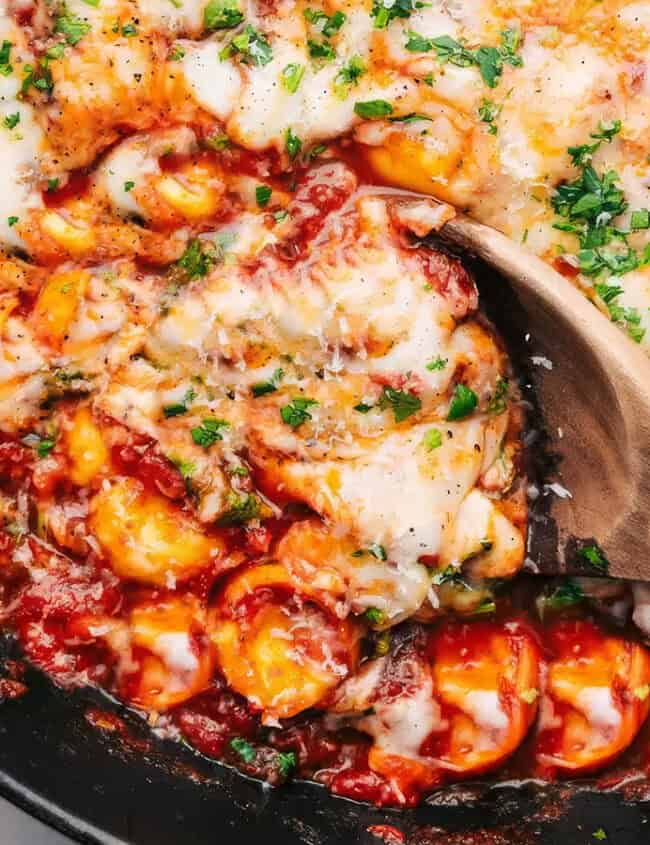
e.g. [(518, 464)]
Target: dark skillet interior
[(102, 788)]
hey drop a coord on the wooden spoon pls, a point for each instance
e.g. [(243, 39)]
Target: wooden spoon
[(595, 403)]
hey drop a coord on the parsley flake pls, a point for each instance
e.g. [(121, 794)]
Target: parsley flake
[(209, 432), (11, 120), (348, 76), (463, 402), (263, 195), (437, 364), (498, 403), (375, 616), (252, 46), (432, 439), (372, 109), (242, 508), (286, 762), (242, 747), (296, 413), (384, 11), (71, 27), (178, 408), (594, 556), (403, 403), (292, 76), (292, 143), (261, 388), (221, 14)]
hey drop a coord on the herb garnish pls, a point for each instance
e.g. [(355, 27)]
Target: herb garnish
[(178, 408), (403, 403), (242, 507), (261, 388), (296, 413), (594, 556), (463, 402), (245, 750), (221, 14), (209, 432), (371, 109), (251, 45), (348, 76), (489, 60), (292, 76), (71, 27)]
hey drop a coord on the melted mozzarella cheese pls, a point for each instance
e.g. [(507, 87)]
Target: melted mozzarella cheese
[(19, 146)]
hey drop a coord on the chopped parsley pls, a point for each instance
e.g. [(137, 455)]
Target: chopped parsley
[(327, 24), (197, 260), (498, 403), (412, 117), (6, 68), (221, 14), (566, 594), (594, 556), (56, 51), (242, 507), (292, 143), (432, 439), (261, 388), (186, 468), (42, 445), (486, 605), (129, 186), (71, 27), (348, 76), (488, 60), (217, 142), (321, 50), (489, 111), (38, 77), (12, 220), (292, 76), (296, 413), (375, 616), (11, 121), (437, 364), (176, 53), (286, 762), (586, 207), (178, 408), (363, 407), (403, 403), (374, 549), (52, 185), (209, 432), (129, 30), (251, 45), (463, 402), (242, 747), (628, 318), (384, 11), (263, 195), (640, 219), (372, 109), (417, 43), (449, 575)]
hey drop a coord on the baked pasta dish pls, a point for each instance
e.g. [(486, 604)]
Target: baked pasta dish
[(262, 456)]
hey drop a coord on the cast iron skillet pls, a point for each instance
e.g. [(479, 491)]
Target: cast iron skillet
[(99, 787)]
